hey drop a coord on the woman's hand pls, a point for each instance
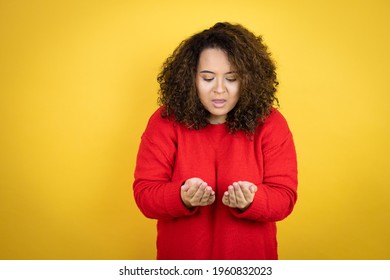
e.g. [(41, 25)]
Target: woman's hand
[(196, 192), (239, 195)]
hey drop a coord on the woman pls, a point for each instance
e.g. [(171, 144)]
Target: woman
[(217, 165)]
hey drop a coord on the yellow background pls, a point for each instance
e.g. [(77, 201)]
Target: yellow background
[(78, 84)]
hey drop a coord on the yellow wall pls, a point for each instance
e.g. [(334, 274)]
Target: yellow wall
[(78, 84)]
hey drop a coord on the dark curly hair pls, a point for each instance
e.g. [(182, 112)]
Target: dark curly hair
[(255, 69)]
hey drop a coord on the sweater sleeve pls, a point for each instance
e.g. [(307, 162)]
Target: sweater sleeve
[(277, 193), (155, 194)]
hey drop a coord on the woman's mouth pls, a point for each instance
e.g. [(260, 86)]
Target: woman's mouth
[(218, 103)]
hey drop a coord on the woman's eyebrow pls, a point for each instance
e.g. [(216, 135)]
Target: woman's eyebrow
[(211, 72)]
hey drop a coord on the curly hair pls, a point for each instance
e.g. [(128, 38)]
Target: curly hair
[(247, 54)]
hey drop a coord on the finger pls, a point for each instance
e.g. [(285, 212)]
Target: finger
[(211, 199), (206, 196), (185, 187), (210, 190), (240, 198), (238, 191), (253, 188), (225, 198), (248, 194), (232, 197), (244, 184), (193, 189), (191, 192), (199, 194)]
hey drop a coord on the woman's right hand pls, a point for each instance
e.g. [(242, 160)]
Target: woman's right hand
[(196, 192)]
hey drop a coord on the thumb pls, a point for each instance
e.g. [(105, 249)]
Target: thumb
[(185, 187), (253, 188)]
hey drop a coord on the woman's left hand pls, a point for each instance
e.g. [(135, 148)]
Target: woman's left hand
[(239, 195)]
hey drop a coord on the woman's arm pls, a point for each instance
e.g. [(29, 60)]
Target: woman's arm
[(276, 195)]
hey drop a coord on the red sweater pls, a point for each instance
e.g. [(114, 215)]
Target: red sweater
[(170, 153)]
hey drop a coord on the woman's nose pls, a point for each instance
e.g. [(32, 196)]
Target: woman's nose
[(219, 86)]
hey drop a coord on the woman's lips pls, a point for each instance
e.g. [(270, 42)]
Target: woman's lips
[(218, 103)]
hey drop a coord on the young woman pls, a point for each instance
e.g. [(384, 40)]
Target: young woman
[(217, 164)]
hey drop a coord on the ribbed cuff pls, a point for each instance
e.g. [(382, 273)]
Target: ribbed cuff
[(254, 211), (173, 203)]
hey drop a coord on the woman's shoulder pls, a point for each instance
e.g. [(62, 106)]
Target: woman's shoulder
[(275, 118), (159, 126), (274, 129), (157, 117)]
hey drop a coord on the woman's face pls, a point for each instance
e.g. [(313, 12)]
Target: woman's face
[(217, 84)]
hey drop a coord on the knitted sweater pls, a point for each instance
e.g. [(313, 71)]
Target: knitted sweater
[(170, 153)]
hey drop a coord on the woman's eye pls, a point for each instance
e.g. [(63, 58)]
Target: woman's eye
[(208, 79), (231, 79)]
